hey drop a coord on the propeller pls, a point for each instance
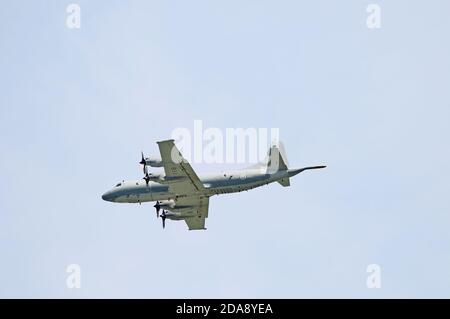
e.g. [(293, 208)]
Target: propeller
[(146, 178), (143, 162), (158, 207), (163, 217)]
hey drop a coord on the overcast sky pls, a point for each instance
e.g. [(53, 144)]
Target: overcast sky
[(78, 105)]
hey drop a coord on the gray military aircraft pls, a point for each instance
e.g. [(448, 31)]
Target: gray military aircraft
[(183, 195)]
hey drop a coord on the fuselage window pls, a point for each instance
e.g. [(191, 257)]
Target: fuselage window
[(120, 184)]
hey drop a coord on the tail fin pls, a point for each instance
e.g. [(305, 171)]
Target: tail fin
[(277, 160)]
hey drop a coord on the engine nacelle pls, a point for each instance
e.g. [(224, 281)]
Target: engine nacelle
[(154, 161), (156, 178), (172, 206), (167, 204)]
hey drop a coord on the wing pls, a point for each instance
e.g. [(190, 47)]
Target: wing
[(199, 212), (183, 179), (195, 223)]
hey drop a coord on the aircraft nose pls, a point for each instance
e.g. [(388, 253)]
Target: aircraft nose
[(107, 196)]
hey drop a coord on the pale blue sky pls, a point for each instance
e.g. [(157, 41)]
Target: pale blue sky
[(77, 106)]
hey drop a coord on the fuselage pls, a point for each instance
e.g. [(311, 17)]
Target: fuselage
[(137, 191)]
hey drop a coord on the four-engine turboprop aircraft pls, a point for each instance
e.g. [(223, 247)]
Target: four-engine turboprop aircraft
[(182, 195)]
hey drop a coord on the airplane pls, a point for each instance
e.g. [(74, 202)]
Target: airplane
[(183, 195)]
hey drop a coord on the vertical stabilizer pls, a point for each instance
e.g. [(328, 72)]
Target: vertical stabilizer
[(277, 160)]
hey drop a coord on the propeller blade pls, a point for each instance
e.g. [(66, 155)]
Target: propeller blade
[(158, 207), (143, 162), (145, 170), (163, 217)]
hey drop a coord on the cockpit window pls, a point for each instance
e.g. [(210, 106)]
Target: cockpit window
[(120, 184)]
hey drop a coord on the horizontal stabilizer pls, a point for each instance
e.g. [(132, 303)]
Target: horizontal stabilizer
[(284, 182)]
